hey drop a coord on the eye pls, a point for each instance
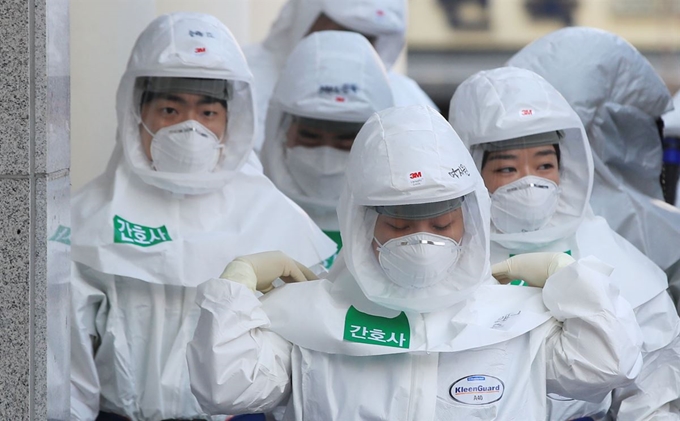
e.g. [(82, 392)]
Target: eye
[(548, 166), (168, 111), (442, 227), (209, 113), (307, 134), (505, 170), (396, 227)]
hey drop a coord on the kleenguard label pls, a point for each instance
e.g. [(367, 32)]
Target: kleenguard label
[(477, 389)]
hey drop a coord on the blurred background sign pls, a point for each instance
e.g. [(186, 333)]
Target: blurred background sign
[(449, 40)]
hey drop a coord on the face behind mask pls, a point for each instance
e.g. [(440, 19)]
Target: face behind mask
[(319, 171), (524, 205), (418, 260), (187, 147)]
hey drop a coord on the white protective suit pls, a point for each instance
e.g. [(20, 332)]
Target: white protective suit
[(383, 19), (618, 95), (671, 128), (509, 103), (143, 238), (330, 75), (359, 346)]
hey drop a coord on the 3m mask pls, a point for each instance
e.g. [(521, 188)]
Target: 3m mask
[(319, 171), (187, 147), (418, 260), (524, 205)]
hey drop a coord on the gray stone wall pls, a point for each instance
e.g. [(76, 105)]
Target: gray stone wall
[(34, 209)]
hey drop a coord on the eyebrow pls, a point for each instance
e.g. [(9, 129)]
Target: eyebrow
[(546, 152), (501, 156), (174, 98), (171, 97)]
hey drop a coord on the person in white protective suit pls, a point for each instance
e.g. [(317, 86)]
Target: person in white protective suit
[(173, 204), (409, 324), (382, 22), (671, 133), (533, 154), (619, 98), (331, 84)]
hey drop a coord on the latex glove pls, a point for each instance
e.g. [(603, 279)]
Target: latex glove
[(532, 268), (259, 271)]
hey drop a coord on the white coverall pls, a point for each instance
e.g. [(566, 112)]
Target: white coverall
[(383, 19), (142, 238), (330, 75), (618, 96), (464, 348), (487, 108), (671, 128)]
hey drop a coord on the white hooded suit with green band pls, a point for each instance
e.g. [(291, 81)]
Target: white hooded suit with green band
[(510, 103), (359, 346), (384, 20), (332, 76), (143, 239), (618, 96)]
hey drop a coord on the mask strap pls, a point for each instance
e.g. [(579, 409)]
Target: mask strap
[(146, 128), (380, 246)]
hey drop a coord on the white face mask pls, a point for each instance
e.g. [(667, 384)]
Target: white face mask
[(418, 260), (187, 147), (319, 171), (524, 205)]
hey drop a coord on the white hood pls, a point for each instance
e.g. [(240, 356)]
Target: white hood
[(127, 223), (507, 103), (410, 155), (170, 46), (618, 95), (383, 19), (330, 75)]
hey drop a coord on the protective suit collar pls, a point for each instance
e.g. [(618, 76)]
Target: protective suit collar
[(475, 323), (507, 103), (410, 155), (617, 94), (123, 226), (330, 75), (188, 45), (383, 19)]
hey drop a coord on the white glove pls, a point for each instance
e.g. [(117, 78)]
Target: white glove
[(258, 271), (532, 268)]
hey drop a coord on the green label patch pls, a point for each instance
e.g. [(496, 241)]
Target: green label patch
[(126, 232), (62, 235), (375, 330)]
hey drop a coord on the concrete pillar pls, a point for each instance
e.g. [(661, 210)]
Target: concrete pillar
[(34, 210)]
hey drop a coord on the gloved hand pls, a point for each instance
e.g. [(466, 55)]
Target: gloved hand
[(533, 268), (258, 271)]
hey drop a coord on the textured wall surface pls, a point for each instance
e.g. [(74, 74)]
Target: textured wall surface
[(34, 209)]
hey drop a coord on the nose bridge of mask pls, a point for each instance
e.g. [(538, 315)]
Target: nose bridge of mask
[(414, 240), (418, 260), (524, 205), (527, 185)]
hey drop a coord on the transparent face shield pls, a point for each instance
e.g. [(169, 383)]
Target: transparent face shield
[(418, 245), (523, 176), (422, 257), (183, 122)]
